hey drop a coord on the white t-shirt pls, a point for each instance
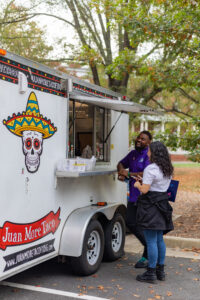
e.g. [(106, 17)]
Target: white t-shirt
[(154, 176)]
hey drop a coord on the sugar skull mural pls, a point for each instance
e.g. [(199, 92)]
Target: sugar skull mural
[(32, 148), (33, 128)]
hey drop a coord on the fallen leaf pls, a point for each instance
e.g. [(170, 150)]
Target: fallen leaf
[(151, 291), (83, 287), (95, 275), (196, 249), (100, 287), (186, 249), (135, 295), (196, 279), (169, 294), (178, 273), (157, 297), (189, 269), (194, 259), (125, 258), (119, 287)]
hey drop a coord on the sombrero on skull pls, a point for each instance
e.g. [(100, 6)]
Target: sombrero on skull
[(31, 119)]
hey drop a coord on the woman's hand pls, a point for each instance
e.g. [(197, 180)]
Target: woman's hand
[(143, 188), (137, 184), (139, 179)]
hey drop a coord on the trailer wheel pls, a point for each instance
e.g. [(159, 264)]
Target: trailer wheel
[(115, 232), (92, 252)]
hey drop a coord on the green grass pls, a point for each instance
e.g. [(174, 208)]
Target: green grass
[(186, 165)]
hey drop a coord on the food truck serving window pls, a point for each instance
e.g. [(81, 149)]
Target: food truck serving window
[(88, 127)]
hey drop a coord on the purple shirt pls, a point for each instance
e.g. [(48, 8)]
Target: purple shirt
[(135, 161)]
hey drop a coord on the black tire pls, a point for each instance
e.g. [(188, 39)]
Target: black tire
[(92, 251), (115, 232)]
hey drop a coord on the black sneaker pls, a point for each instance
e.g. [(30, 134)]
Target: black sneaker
[(142, 263)]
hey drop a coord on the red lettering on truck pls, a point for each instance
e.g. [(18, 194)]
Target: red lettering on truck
[(13, 234)]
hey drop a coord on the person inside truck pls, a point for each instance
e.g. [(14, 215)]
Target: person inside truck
[(130, 167), (87, 152)]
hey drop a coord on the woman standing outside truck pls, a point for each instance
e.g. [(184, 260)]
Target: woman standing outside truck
[(154, 213)]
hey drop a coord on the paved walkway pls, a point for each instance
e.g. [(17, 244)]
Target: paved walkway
[(176, 247)]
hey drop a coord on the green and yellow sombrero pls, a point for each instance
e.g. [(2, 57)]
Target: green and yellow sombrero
[(31, 119)]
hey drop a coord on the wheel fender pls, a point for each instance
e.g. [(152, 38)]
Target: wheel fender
[(74, 229)]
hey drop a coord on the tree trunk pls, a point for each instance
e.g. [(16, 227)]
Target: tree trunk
[(95, 74), (125, 82), (116, 85)]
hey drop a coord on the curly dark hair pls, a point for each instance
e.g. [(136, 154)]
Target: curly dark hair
[(160, 156)]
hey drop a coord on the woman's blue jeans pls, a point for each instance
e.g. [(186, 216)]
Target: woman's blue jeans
[(156, 248)]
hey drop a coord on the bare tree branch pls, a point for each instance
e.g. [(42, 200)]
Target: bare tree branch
[(91, 31), (151, 94), (61, 60), (108, 41), (77, 24), (120, 37), (18, 37), (16, 20), (78, 28), (108, 58), (150, 52), (54, 16), (173, 109), (184, 93), (144, 93), (89, 14), (102, 26), (7, 10)]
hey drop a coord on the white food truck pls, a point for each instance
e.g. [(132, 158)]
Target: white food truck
[(48, 117)]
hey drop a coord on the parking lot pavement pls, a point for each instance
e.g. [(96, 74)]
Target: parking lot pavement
[(114, 281)]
